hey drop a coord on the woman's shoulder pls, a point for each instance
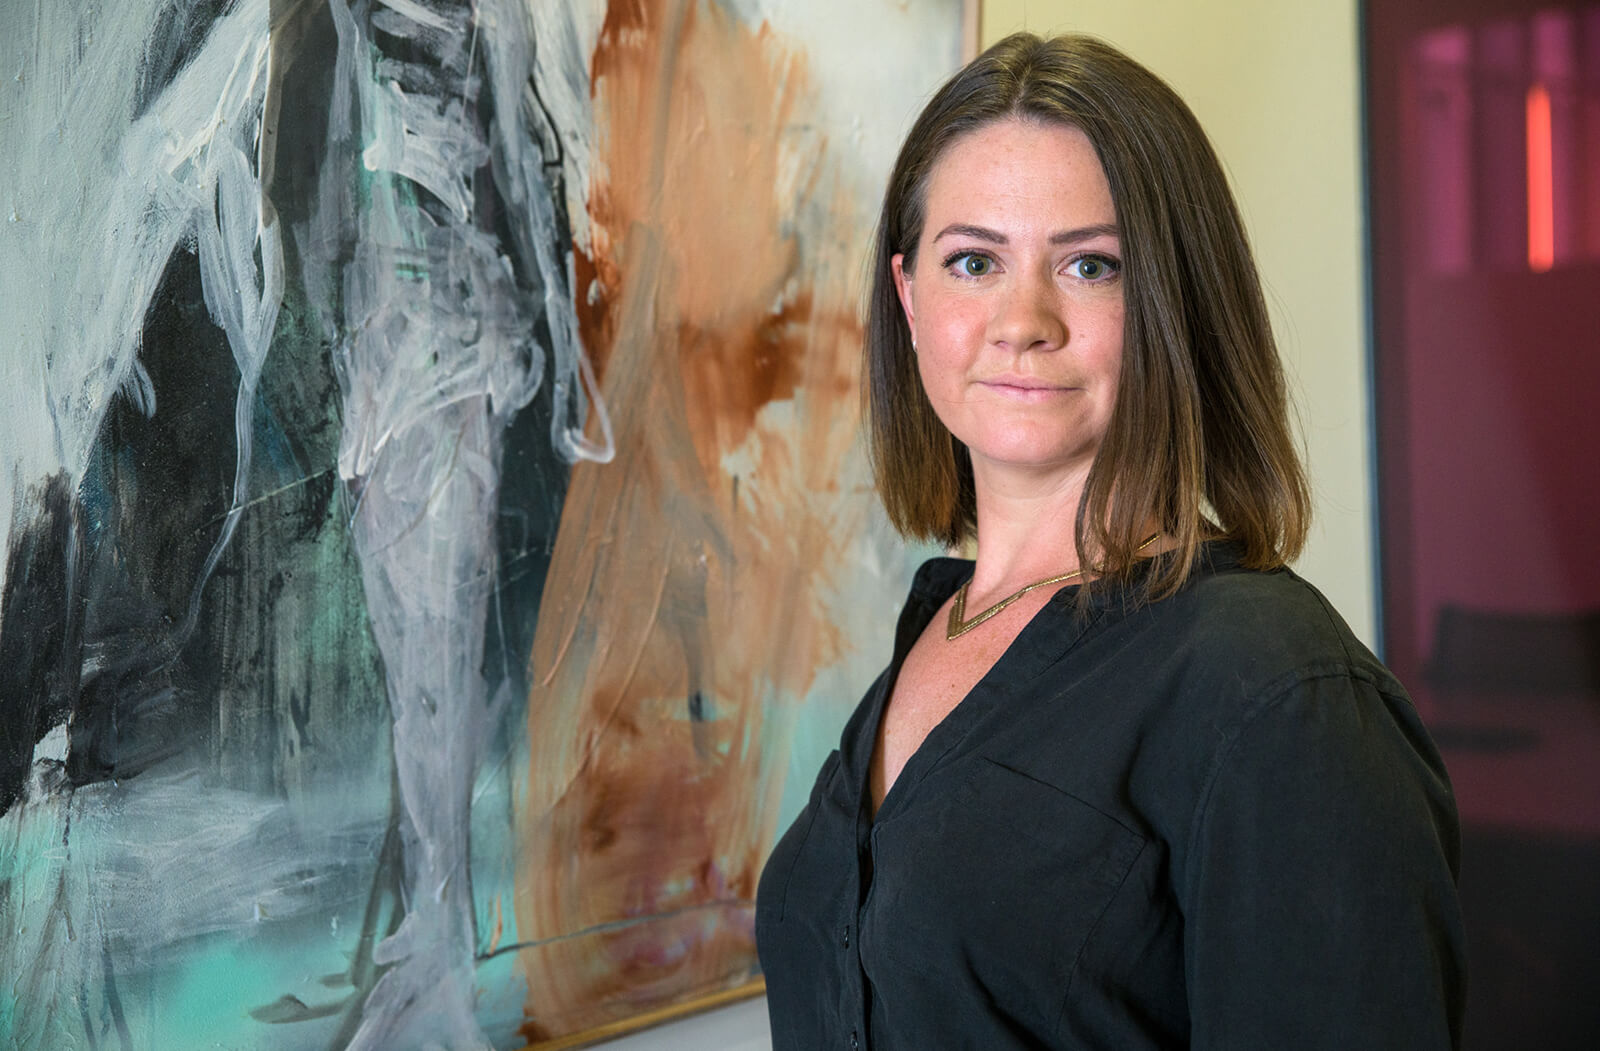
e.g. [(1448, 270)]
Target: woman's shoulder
[(938, 578), (1273, 618), (1237, 640), (1252, 675)]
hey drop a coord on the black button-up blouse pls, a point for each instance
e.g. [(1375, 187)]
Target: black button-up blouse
[(1213, 821)]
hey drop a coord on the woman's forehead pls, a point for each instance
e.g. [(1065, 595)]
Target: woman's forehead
[(1015, 174)]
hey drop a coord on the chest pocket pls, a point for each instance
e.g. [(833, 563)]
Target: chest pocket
[(999, 879)]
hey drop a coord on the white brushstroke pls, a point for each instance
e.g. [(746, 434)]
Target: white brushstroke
[(413, 11), (201, 859), (244, 300), (154, 871), (520, 173), (49, 757), (415, 138), (140, 389), (435, 353), (566, 35), (81, 179)]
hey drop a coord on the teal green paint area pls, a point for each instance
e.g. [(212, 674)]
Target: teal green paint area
[(252, 995)]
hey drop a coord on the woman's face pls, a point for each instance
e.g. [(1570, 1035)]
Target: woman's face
[(1015, 301)]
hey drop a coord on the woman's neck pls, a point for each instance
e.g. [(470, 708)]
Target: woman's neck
[(1026, 532)]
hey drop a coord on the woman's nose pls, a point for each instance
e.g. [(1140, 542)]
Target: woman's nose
[(1028, 315)]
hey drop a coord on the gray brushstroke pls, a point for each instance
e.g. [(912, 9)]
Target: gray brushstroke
[(434, 343), (147, 874)]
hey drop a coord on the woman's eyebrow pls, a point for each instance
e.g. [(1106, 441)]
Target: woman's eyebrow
[(1085, 233), (983, 233)]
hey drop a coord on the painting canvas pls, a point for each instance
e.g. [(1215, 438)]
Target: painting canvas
[(438, 550)]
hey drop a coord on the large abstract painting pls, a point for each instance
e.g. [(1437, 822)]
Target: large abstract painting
[(437, 550)]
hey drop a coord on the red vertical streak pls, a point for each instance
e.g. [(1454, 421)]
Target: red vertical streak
[(1541, 184)]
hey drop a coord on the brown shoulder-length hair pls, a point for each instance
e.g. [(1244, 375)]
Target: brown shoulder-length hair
[(1199, 440)]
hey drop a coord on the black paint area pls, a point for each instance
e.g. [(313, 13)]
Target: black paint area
[(533, 487), (99, 582), (262, 671), (41, 634)]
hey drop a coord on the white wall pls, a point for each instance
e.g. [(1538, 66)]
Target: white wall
[(1277, 87)]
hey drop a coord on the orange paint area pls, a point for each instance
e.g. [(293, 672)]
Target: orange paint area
[(686, 609)]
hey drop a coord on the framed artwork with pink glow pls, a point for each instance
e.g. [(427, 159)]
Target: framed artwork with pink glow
[(1484, 134)]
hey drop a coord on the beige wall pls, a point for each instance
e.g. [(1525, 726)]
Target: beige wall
[(1276, 86)]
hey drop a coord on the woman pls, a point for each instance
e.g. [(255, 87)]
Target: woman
[(1127, 782)]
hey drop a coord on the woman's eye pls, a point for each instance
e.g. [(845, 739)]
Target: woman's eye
[(1092, 268), (970, 264)]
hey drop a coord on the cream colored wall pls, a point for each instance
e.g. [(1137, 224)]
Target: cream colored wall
[(1276, 86)]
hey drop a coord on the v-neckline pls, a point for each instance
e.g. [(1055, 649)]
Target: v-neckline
[(1028, 654)]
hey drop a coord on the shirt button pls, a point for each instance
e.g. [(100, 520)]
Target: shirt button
[(854, 1043), (847, 937)]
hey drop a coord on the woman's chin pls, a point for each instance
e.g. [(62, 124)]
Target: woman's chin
[(1032, 458)]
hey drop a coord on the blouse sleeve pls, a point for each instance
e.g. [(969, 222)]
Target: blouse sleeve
[(1320, 900)]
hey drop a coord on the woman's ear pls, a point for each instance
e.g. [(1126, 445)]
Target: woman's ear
[(902, 288)]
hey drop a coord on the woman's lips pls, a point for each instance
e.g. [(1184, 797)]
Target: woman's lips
[(1025, 388)]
